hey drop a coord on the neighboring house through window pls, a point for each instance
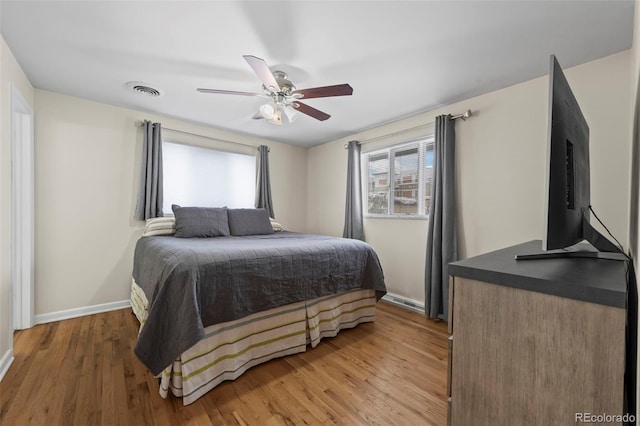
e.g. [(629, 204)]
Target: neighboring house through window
[(205, 177), (398, 179)]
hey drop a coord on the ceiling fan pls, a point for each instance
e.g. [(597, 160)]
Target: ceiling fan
[(283, 95)]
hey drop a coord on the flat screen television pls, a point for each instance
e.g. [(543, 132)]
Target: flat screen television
[(568, 192)]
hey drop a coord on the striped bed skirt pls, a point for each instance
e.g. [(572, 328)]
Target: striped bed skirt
[(231, 348)]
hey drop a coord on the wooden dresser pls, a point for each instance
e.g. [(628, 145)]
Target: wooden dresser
[(536, 342)]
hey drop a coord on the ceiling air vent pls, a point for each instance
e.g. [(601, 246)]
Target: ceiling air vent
[(144, 89)]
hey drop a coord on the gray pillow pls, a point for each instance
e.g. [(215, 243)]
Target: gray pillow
[(201, 222), (249, 222)]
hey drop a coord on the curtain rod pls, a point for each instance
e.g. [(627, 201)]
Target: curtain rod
[(141, 123), (463, 116)]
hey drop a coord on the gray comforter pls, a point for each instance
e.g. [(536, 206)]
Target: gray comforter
[(192, 283)]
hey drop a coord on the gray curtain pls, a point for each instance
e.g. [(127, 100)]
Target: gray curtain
[(441, 235), (263, 182), (353, 226), (150, 190)]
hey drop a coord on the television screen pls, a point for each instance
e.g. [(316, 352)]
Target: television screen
[(568, 189), (568, 201)]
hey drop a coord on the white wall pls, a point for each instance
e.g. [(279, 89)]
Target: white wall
[(87, 170), (10, 74), (500, 170)]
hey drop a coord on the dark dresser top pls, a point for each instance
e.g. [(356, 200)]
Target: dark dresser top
[(590, 280)]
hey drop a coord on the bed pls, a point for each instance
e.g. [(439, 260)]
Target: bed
[(211, 308)]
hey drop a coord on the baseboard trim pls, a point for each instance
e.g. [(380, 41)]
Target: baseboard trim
[(404, 302), (80, 312), (5, 363)]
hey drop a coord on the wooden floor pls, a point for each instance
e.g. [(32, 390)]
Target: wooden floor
[(83, 372)]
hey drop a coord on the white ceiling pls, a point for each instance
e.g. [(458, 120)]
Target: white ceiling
[(400, 57)]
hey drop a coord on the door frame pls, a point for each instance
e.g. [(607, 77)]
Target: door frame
[(22, 211)]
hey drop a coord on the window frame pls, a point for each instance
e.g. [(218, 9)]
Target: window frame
[(422, 144)]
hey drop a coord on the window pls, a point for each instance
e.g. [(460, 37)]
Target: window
[(399, 179), (196, 176)]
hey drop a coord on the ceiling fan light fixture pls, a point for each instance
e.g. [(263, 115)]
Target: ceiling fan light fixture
[(291, 113), (276, 118), (267, 111)]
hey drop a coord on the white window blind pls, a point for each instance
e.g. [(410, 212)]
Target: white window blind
[(398, 179), (205, 177)]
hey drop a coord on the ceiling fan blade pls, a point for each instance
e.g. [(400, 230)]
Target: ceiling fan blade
[(325, 91), (230, 92), (310, 111), (263, 72)]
